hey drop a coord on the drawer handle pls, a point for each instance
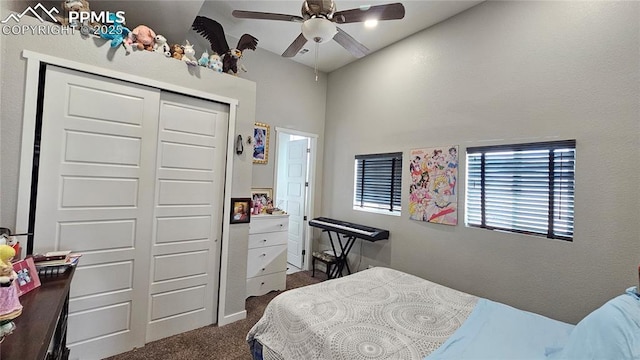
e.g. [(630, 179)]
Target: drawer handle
[(263, 255), (263, 269), (281, 225), (262, 283), (264, 240)]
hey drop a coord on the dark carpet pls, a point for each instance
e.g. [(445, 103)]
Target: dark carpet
[(213, 342)]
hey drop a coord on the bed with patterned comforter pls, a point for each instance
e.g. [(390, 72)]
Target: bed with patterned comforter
[(382, 313), (377, 313)]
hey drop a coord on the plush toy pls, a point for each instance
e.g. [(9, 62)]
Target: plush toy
[(204, 59), (117, 37), (10, 306), (212, 31), (215, 63), (177, 51), (142, 37), (189, 55), (80, 6), (8, 239), (161, 46)]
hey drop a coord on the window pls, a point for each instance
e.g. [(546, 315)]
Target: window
[(525, 188), (378, 182)]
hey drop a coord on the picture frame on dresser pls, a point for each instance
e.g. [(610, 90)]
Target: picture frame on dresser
[(240, 210), (262, 195), (27, 279)]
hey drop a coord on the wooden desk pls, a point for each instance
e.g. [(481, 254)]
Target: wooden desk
[(38, 323)]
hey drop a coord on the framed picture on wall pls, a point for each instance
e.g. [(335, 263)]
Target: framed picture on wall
[(260, 143), (240, 210)]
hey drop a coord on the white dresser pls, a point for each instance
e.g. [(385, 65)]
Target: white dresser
[(267, 256)]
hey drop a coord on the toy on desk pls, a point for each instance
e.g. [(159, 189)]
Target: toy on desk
[(10, 307), (7, 238)]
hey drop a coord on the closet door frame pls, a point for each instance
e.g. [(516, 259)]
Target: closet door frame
[(35, 62)]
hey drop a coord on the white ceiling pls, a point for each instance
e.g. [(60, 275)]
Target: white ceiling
[(173, 19), (275, 36)]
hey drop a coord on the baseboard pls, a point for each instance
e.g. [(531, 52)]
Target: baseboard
[(228, 319)]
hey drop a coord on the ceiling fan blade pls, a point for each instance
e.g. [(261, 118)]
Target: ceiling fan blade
[(295, 46), (265, 16), (355, 48), (379, 12)]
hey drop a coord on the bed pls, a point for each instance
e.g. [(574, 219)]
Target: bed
[(381, 313)]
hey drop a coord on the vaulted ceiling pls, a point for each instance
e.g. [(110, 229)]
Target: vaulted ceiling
[(173, 19)]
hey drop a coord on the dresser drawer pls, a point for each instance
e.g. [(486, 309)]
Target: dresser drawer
[(268, 239), (266, 260), (261, 285), (268, 223)]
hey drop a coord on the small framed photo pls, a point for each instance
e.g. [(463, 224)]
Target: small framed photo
[(260, 143), (261, 195), (240, 210), (27, 276)]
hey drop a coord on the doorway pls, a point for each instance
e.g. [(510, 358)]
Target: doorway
[(294, 190)]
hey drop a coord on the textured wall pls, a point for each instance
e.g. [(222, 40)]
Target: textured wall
[(504, 72), (287, 96)]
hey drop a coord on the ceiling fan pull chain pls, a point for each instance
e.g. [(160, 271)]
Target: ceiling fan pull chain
[(316, 65)]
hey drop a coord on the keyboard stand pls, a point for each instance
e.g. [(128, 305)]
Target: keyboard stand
[(350, 232), (342, 260)]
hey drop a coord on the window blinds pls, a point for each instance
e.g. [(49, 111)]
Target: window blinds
[(526, 188), (378, 181)]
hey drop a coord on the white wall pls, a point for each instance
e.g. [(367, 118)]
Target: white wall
[(504, 72), (287, 96)]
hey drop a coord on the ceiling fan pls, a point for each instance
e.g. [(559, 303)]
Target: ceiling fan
[(318, 23)]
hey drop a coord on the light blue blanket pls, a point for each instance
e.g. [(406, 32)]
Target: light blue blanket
[(497, 331)]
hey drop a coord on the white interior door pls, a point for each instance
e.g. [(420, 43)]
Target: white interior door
[(189, 197), (95, 190), (294, 198)]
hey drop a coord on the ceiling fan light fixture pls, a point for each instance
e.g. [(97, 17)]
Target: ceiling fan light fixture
[(318, 30), (371, 23)]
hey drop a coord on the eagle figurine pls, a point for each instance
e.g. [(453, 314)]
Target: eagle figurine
[(212, 31)]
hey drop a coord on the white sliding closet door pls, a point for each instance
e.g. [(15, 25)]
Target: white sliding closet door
[(95, 190), (188, 214), (133, 178)]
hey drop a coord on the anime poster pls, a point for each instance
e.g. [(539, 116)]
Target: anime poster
[(433, 194)]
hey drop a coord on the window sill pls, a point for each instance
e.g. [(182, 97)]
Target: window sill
[(377, 211)]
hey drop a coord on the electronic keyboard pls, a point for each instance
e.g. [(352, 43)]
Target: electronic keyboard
[(350, 229)]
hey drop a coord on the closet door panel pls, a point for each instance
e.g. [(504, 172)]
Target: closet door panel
[(191, 159), (95, 196)]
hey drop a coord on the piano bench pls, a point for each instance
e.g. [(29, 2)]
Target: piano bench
[(325, 258)]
